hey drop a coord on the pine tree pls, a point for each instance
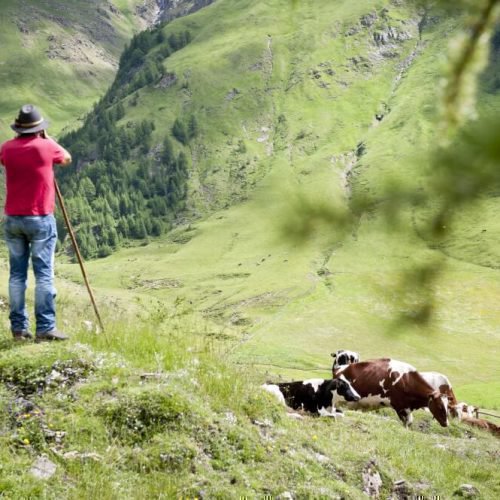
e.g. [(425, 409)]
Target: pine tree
[(182, 166), (192, 127), (104, 251), (157, 228), (87, 189), (119, 111), (167, 155), (123, 228), (174, 42), (179, 131)]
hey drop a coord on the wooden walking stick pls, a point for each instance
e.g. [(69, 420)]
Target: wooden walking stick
[(77, 251)]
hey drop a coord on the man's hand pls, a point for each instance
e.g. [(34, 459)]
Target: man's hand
[(67, 156), (67, 159)]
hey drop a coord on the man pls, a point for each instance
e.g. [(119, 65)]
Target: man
[(30, 226)]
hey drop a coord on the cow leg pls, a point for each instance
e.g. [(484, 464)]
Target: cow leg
[(405, 416), (333, 413)]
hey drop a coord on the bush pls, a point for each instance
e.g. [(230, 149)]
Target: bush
[(138, 416)]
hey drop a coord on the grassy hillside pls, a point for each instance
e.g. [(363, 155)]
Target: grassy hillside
[(60, 55), (153, 410), (289, 106)]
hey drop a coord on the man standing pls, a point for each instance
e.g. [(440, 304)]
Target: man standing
[(30, 226)]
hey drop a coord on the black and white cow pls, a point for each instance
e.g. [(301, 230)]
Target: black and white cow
[(314, 395), (344, 357)]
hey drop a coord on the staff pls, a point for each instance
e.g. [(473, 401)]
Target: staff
[(77, 252)]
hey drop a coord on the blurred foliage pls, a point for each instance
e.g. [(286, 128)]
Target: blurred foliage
[(463, 167), (468, 57)]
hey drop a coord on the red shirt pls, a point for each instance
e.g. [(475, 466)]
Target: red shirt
[(29, 164)]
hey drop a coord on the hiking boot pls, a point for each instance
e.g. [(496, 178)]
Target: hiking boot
[(50, 336), (22, 336)]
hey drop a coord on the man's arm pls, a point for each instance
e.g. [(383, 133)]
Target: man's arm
[(66, 156)]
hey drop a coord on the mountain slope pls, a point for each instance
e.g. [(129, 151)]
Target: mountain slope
[(326, 101), (63, 55), (256, 98), (60, 55)]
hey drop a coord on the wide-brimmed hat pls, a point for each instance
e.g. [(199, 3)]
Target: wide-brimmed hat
[(29, 121)]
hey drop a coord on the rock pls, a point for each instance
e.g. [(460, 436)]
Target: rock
[(321, 458), (381, 38), (368, 19), (167, 80), (43, 468), (232, 94), (75, 455), (391, 35), (400, 490), (361, 63), (466, 491), (256, 66), (353, 30), (286, 495), (56, 436), (371, 480), (89, 326), (264, 423), (230, 418), (54, 378)]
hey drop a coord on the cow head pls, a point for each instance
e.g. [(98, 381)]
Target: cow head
[(343, 357), (461, 409), (346, 390), (438, 405)]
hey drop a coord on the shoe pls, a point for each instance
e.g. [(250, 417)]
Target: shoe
[(50, 336), (22, 336)]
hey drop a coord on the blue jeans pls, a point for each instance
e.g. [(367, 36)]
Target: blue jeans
[(34, 235)]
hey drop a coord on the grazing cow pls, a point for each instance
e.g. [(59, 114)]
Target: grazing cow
[(461, 410), (388, 382), (481, 423), (343, 357), (441, 382), (435, 379), (315, 395)]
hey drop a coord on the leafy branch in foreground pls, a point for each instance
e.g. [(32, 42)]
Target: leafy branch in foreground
[(468, 58)]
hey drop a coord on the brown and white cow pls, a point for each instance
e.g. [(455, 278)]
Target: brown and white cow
[(435, 379), (461, 410), (481, 423), (315, 395), (441, 382), (388, 382)]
